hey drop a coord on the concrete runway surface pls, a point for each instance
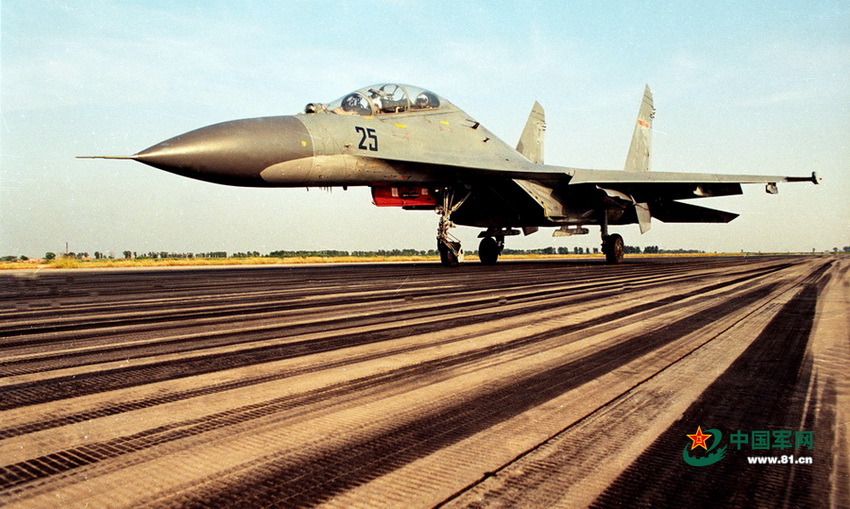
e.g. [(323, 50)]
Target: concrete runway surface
[(523, 384)]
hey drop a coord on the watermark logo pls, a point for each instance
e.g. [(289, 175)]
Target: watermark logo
[(708, 456), (703, 448), (777, 439)]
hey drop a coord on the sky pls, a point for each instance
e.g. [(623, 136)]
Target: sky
[(739, 87)]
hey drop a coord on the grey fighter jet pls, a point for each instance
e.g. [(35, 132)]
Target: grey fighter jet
[(416, 150)]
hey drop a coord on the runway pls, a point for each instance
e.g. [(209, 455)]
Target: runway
[(545, 384)]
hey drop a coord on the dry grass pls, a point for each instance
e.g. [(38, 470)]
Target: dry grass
[(72, 263)]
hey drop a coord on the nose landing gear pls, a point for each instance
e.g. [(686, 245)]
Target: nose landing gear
[(450, 251), (448, 246)]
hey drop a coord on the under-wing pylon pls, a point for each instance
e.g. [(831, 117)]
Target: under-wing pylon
[(416, 150)]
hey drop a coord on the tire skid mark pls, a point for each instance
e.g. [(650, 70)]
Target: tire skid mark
[(138, 287), (542, 480), (609, 321), (328, 324), (316, 308), (69, 460), (53, 464), (536, 295), (166, 309), (156, 319), (281, 482), (224, 338), (124, 283), (221, 315), (54, 295), (759, 391), (53, 389)]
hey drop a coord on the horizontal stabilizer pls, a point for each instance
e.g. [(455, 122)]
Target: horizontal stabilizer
[(678, 212)]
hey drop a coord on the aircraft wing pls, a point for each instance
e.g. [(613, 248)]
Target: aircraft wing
[(678, 186), (582, 176), (568, 195), (555, 176)]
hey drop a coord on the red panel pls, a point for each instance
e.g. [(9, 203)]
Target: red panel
[(403, 196)]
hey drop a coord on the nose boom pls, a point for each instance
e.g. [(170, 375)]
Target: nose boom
[(232, 152)]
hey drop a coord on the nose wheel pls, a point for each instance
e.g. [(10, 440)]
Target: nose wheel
[(447, 245), (450, 253)]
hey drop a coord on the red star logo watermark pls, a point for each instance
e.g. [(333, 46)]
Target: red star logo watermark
[(699, 439)]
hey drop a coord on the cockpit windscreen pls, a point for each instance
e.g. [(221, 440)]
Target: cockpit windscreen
[(383, 99)]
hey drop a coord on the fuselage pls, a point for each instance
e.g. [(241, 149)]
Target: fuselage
[(406, 158), (329, 148)]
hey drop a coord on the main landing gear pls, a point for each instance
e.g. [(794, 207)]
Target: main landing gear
[(490, 248), (612, 245), (493, 240), (614, 249)]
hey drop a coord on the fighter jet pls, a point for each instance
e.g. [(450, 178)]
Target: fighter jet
[(418, 151)]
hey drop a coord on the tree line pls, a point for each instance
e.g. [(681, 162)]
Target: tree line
[(328, 253)]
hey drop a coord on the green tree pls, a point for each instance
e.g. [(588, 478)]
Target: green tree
[(50, 255)]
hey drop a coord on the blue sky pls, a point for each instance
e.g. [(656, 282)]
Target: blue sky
[(740, 87)]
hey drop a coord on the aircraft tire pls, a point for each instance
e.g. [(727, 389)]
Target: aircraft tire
[(449, 253), (614, 249), (488, 251)]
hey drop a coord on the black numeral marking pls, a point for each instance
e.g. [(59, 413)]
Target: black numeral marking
[(368, 139)]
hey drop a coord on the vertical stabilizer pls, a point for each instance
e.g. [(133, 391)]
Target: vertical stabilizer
[(639, 151), (531, 142)]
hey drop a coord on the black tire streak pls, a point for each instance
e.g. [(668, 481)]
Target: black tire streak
[(758, 392), (30, 393), (283, 483)]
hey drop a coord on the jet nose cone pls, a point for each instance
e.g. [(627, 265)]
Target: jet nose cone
[(232, 152)]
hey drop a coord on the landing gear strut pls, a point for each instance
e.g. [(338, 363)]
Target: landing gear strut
[(447, 245)]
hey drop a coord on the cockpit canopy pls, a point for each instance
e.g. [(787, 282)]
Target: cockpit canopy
[(380, 100)]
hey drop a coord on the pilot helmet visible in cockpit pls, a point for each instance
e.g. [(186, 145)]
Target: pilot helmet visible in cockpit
[(356, 103), (426, 100)]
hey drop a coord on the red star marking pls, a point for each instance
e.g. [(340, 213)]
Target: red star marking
[(699, 439)]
